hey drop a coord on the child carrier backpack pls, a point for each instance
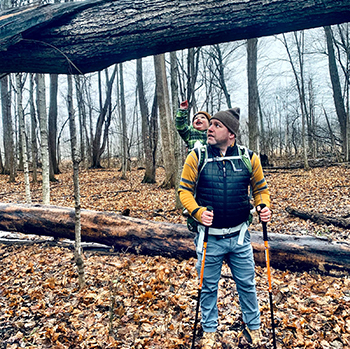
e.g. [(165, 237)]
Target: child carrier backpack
[(243, 153)]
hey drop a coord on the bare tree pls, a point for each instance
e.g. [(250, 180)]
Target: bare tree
[(193, 55), (53, 126), (220, 55), (82, 121), (343, 48), (300, 83), (45, 158), (9, 147), (148, 141), (124, 138), (78, 255), (177, 139), (102, 121), (19, 87), (337, 92), (166, 122), (253, 94), (34, 125)]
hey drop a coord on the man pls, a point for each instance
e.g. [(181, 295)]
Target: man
[(223, 184)]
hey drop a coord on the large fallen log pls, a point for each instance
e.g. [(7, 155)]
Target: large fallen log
[(320, 218), (86, 36), (297, 253)]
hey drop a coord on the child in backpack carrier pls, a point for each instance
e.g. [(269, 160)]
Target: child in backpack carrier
[(195, 134)]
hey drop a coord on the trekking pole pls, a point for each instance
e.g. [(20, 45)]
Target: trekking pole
[(267, 257), (205, 242)]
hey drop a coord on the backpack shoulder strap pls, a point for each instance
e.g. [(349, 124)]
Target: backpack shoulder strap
[(202, 155), (246, 156)]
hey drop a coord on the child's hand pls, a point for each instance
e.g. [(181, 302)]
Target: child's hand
[(184, 105)]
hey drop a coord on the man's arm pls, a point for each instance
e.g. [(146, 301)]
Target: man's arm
[(188, 184), (261, 192)]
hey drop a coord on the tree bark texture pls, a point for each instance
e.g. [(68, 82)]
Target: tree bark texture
[(10, 164), (21, 120), (297, 253), (87, 36), (33, 128), (53, 113), (253, 93), (77, 219), (165, 118), (150, 169), (43, 121)]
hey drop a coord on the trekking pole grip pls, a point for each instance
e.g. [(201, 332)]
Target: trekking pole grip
[(206, 233), (264, 224)]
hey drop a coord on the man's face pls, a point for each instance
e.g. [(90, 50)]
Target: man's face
[(218, 134), (200, 122)]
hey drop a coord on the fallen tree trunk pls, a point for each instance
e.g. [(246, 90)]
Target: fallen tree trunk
[(319, 218), (297, 253), (86, 36)]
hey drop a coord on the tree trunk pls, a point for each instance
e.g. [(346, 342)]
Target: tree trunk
[(165, 124), (109, 32), (78, 255), (53, 126), (82, 121), (337, 91), (174, 87), (320, 218), (108, 117), (192, 73), (97, 147), (124, 137), (45, 157), (253, 94), (296, 253), (10, 163), (299, 80), (21, 119), (219, 74), (150, 171), (34, 126)]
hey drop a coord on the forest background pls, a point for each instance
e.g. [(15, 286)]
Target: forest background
[(293, 91)]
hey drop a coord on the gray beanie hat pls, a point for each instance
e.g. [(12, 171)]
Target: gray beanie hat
[(230, 118)]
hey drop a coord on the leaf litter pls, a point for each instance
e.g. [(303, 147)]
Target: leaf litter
[(135, 301)]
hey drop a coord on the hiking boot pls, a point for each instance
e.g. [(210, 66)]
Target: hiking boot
[(208, 340), (255, 336)]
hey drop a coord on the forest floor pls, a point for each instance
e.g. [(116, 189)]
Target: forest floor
[(135, 301)]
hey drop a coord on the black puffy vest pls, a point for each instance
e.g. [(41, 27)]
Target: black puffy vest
[(225, 188)]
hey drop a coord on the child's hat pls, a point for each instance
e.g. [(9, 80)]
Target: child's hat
[(207, 115)]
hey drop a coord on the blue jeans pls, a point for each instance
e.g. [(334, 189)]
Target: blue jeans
[(241, 263)]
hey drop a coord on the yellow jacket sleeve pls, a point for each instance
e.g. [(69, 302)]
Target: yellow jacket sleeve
[(187, 186), (261, 193)]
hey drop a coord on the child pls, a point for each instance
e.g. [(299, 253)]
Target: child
[(195, 134)]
